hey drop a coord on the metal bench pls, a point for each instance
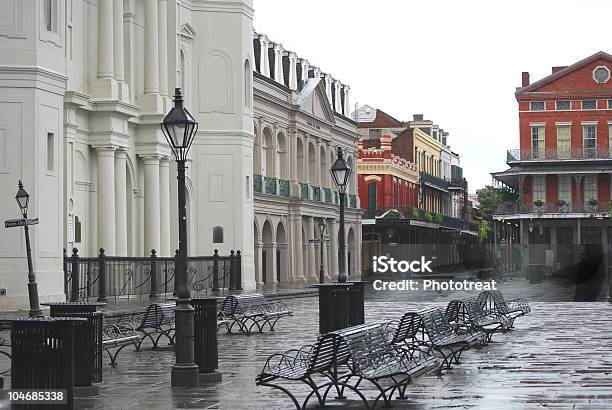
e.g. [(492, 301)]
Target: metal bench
[(251, 311), (366, 353), (118, 332), (373, 358), (468, 313), (493, 302), (431, 329), (157, 322), (5, 346)]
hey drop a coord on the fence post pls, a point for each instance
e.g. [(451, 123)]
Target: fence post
[(215, 283), (153, 273), (102, 277), (65, 262), (239, 271), (232, 273), (74, 294)]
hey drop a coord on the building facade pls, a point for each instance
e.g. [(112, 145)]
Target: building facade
[(83, 88), (561, 170), (300, 120)]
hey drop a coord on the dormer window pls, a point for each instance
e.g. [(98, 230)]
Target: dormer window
[(536, 106)]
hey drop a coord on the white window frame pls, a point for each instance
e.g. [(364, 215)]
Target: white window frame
[(531, 105), (588, 109), (605, 68), (541, 139), (590, 186), (589, 152), (538, 187), (52, 36), (560, 109), (565, 151), (564, 188)]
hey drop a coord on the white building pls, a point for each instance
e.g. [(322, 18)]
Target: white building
[(300, 119), (83, 88)]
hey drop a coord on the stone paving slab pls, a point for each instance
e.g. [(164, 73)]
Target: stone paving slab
[(559, 356)]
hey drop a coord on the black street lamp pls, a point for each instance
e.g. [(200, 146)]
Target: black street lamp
[(23, 200), (341, 173), (322, 228), (179, 128)]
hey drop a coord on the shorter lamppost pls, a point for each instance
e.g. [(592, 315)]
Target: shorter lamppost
[(179, 128), (23, 200), (341, 173), (322, 229)]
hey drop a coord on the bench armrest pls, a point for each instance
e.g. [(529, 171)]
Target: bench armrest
[(519, 304), (291, 359)]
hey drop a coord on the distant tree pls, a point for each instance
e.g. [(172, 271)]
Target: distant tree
[(491, 198)]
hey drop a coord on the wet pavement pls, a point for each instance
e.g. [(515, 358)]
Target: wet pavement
[(559, 356)]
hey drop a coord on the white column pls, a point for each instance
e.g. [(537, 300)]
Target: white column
[(121, 228), (106, 199), (347, 105), (337, 97), (118, 63), (298, 261), (162, 40), (164, 207), (312, 269), (151, 205), (151, 48), (258, 263), (292, 70), (105, 39)]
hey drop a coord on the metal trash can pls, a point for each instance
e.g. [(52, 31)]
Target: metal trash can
[(88, 341), (356, 303), (334, 306), (206, 353), (43, 356)]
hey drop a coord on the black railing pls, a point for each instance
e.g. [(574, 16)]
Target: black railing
[(558, 154), (408, 212), (102, 277), (560, 207), (432, 180)]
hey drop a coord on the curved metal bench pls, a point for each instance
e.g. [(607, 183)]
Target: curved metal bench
[(5, 345), (467, 313), (118, 332), (493, 302), (250, 311), (430, 328), (158, 319)]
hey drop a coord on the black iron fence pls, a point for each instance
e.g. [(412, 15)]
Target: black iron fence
[(102, 277)]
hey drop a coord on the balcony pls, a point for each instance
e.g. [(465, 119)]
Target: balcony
[(558, 154), (353, 201), (433, 181), (328, 194), (316, 193), (257, 183), (283, 187), (560, 207), (412, 213), (304, 191), (270, 185)]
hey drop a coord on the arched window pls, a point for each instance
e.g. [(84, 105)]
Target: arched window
[(248, 88), (181, 72)]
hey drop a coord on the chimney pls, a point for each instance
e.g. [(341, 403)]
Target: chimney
[(417, 117), (558, 68), (525, 79)]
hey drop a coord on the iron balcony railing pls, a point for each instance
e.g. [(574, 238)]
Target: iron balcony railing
[(316, 193), (304, 190), (409, 212), (432, 180), (560, 207), (270, 184), (257, 183), (328, 194), (353, 201), (558, 154), (284, 187)]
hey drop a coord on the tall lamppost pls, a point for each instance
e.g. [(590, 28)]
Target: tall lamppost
[(23, 200), (179, 128), (341, 173), (322, 228)]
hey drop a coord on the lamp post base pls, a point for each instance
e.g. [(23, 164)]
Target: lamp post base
[(184, 376)]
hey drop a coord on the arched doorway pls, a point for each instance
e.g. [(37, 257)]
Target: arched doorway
[(268, 254), (312, 165), (257, 252), (281, 254), (256, 151), (268, 153), (351, 257), (281, 156), (324, 168), (300, 160)]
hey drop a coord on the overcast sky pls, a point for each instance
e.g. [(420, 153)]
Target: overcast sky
[(456, 62)]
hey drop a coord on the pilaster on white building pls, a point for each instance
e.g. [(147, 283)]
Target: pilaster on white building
[(83, 88)]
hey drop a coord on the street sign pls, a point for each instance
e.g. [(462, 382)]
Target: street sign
[(11, 223)]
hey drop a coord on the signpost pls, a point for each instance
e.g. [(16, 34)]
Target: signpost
[(23, 199)]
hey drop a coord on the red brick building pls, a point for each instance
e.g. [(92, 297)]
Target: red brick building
[(563, 165)]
